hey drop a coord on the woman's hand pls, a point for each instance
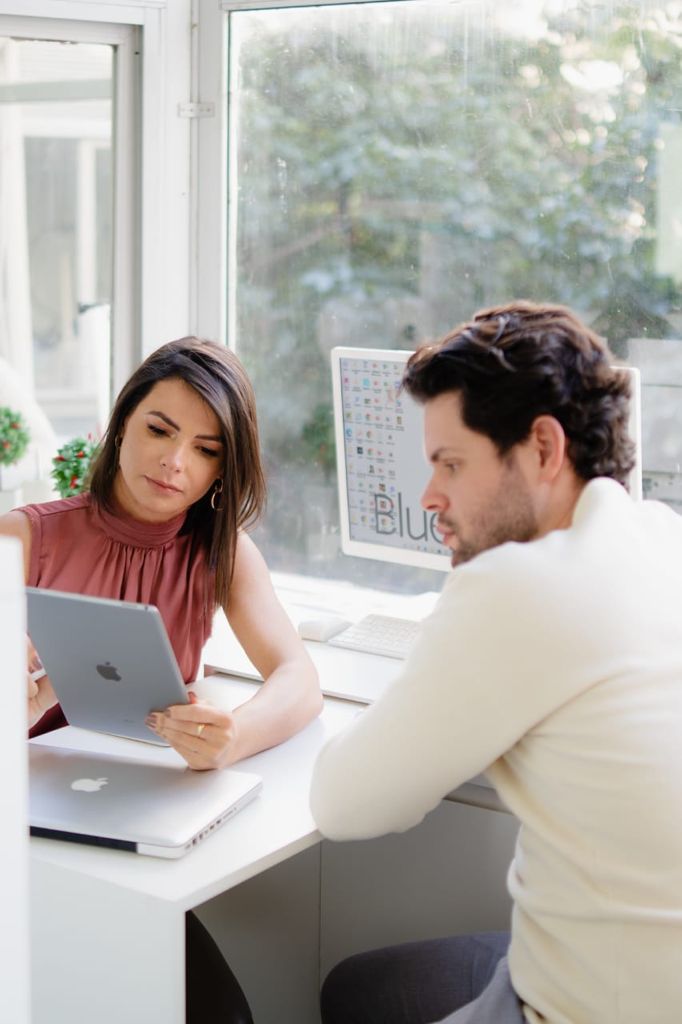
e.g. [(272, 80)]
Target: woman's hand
[(204, 735), (40, 695)]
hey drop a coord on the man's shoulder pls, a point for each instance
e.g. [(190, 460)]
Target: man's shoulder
[(609, 534), (517, 582), (506, 576), (507, 562)]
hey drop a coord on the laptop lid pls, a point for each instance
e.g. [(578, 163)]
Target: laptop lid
[(110, 662), (104, 800)]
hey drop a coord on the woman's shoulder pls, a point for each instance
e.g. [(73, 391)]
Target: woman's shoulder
[(15, 524), (21, 521), (59, 519), (58, 507)]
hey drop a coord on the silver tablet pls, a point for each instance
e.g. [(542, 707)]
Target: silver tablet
[(110, 662)]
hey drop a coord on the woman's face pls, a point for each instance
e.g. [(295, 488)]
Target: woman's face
[(171, 453)]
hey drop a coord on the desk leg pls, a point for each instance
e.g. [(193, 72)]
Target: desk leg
[(103, 953)]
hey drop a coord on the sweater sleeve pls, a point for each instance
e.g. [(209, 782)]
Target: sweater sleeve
[(489, 664)]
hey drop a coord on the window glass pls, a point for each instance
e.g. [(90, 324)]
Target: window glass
[(397, 166), (56, 226)]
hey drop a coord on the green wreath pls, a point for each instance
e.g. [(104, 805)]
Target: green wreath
[(14, 436), (71, 465)]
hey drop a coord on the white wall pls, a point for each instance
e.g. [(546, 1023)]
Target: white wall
[(14, 973)]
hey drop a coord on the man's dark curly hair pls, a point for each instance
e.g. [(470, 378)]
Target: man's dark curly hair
[(513, 363)]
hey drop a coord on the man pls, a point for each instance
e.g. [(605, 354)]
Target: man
[(553, 661)]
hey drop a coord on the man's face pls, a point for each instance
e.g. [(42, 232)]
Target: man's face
[(481, 499)]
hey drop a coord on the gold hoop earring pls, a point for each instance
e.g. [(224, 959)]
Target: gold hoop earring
[(215, 496)]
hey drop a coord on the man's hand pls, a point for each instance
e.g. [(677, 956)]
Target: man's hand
[(202, 734)]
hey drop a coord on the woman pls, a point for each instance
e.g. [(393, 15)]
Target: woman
[(177, 481)]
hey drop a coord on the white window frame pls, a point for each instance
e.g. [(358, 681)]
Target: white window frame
[(171, 212), (209, 177), (212, 284), (152, 251)]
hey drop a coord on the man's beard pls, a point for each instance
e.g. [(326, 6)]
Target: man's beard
[(508, 516)]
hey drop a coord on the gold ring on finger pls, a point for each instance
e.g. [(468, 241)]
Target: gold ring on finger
[(200, 728)]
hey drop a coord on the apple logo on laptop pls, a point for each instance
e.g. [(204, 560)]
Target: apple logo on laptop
[(108, 671), (89, 785)]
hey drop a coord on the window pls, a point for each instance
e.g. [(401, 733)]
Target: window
[(56, 234), (396, 166)]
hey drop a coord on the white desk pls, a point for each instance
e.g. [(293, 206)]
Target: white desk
[(345, 674), (14, 940), (350, 675), (108, 926)]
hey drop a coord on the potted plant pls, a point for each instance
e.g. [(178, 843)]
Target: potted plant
[(14, 438), (71, 465)]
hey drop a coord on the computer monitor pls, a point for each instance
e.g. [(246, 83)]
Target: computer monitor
[(381, 465), (382, 470)]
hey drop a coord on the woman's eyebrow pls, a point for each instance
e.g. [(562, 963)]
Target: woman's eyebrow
[(175, 426), (162, 416)]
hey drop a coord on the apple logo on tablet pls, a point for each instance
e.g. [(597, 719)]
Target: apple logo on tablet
[(89, 785), (108, 671)]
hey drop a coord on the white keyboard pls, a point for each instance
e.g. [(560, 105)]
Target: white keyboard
[(379, 634)]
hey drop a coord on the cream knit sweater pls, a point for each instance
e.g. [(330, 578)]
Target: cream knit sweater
[(556, 667)]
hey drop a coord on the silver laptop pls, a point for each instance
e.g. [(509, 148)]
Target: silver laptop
[(102, 800), (110, 662)]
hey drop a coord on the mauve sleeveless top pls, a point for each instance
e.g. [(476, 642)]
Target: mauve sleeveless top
[(82, 548)]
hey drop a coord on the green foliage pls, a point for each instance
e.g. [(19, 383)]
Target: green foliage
[(400, 166), (317, 438), (14, 436), (71, 465), (405, 155)]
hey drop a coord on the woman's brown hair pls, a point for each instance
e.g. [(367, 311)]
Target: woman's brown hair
[(217, 375)]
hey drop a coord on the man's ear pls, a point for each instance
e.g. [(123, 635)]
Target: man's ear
[(548, 443)]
